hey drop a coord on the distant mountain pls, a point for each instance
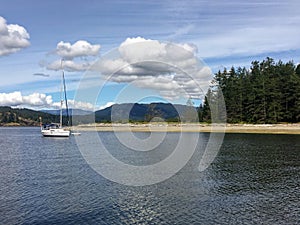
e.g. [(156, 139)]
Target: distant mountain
[(75, 112), (142, 112), (137, 113)]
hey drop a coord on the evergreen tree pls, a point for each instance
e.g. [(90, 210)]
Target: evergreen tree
[(206, 114), (268, 92)]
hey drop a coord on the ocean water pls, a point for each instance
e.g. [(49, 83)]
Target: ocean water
[(255, 179)]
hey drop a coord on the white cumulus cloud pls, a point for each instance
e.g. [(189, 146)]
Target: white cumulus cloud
[(17, 99), (13, 37), (75, 105), (171, 69), (79, 49), (39, 101), (76, 57), (68, 65)]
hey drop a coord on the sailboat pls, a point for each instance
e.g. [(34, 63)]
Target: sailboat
[(54, 129)]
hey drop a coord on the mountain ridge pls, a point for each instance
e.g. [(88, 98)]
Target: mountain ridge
[(141, 112), (77, 112), (125, 112)]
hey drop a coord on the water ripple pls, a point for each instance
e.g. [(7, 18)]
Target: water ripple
[(254, 180)]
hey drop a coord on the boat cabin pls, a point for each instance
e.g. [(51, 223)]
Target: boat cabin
[(50, 126)]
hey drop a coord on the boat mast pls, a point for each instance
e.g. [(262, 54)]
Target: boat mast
[(61, 97), (65, 99)]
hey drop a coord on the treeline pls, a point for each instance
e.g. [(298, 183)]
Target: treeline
[(268, 92), (24, 117)]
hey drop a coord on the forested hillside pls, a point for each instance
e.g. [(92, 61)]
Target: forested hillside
[(23, 117), (268, 92), (144, 112)]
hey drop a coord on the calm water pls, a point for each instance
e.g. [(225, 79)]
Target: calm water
[(253, 180)]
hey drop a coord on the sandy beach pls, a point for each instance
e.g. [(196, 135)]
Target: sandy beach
[(193, 127)]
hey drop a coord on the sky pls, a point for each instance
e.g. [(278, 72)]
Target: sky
[(134, 51)]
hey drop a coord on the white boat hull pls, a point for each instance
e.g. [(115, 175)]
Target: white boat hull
[(58, 132), (54, 129)]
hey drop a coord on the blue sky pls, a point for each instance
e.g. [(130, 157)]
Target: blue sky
[(221, 33)]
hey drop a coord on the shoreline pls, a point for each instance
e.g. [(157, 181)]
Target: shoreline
[(193, 127)]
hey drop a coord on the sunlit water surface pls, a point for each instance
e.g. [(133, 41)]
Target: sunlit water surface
[(254, 180)]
